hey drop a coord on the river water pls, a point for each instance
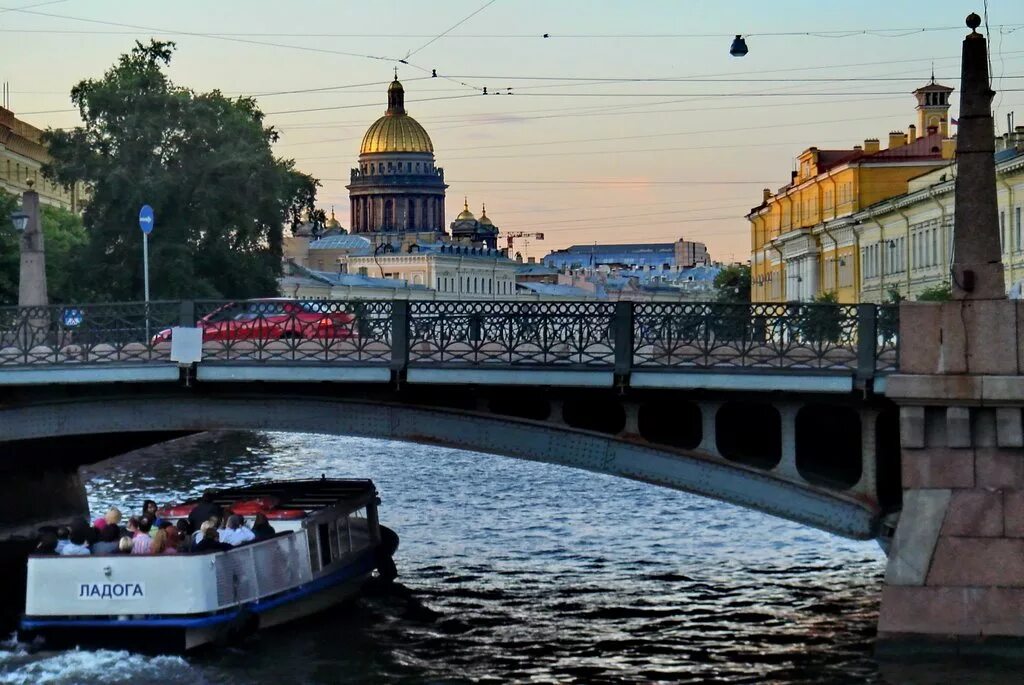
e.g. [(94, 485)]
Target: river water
[(516, 571)]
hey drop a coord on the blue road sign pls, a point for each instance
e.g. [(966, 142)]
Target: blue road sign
[(72, 317), (146, 219)]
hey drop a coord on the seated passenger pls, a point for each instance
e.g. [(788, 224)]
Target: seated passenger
[(212, 522), (112, 517), (210, 543), (236, 533), (262, 529), (110, 536), (149, 509), (124, 545), (204, 511), (160, 543), (132, 526), (184, 529), (63, 532), (142, 542), (47, 542), (76, 543)]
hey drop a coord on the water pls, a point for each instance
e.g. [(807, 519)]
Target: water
[(513, 571)]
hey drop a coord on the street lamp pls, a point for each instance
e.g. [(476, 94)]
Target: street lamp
[(19, 220), (739, 46)]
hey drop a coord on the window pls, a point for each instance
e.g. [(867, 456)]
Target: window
[(935, 246), (1002, 231), (1017, 235)]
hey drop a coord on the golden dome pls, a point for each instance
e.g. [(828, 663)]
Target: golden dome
[(484, 219), (396, 131), (465, 214), (332, 222)]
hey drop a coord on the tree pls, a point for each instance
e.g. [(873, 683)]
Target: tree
[(733, 283), (937, 293), (64, 238), (201, 160)]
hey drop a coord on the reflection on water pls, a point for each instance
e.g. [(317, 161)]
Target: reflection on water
[(515, 571)]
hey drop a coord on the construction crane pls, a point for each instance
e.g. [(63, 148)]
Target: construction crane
[(511, 237)]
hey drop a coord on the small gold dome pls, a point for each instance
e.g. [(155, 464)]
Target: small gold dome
[(465, 214), (484, 219), (332, 222), (396, 131)]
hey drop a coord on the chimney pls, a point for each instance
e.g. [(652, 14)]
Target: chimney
[(858, 148), (766, 195), (1018, 133), (896, 139), (948, 148), (531, 260), (911, 133), (871, 145)]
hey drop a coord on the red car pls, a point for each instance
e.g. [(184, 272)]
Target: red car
[(272, 319)]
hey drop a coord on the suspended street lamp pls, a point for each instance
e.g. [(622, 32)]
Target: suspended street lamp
[(20, 221), (739, 46)]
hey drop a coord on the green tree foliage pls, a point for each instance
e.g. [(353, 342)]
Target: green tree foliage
[(201, 160), (937, 293), (64, 238), (733, 283)]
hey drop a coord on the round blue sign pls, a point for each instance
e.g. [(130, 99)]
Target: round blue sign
[(146, 219), (72, 317)]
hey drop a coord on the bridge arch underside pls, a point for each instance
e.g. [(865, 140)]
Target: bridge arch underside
[(819, 464)]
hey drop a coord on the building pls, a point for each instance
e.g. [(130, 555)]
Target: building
[(22, 155), (479, 232), (652, 256), (396, 187), (794, 256), (904, 243)]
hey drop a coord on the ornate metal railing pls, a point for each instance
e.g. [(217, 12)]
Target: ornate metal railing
[(512, 333), (622, 336)]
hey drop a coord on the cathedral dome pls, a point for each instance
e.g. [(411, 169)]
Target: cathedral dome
[(396, 131), (484, 219), (465, 214)]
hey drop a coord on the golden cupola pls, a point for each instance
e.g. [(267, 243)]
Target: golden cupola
[(465, 214), (484, 219), (396, 131)]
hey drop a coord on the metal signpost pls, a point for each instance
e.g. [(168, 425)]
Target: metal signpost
[(146, 221)]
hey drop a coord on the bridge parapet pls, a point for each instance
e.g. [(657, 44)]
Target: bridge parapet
[(617, 339)]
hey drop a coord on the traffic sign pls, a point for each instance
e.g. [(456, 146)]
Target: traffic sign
[(146, 219)]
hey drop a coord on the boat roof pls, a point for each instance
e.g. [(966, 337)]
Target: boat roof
[(302, 494)]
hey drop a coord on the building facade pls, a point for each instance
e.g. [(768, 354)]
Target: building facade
[(798, 250), (396, 187), (22, 156), (681, 254)]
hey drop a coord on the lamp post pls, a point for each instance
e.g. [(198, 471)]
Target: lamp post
[(32, 271)]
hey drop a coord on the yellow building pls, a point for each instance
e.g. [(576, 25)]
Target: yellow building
[(798, 252), (22, 155)]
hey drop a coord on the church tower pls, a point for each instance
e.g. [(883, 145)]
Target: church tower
[(933, 108)]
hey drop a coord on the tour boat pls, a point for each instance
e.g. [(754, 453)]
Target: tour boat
[(328, 544)]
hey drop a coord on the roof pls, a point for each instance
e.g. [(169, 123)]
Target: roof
[(359, 281), (624, 247), (535, 270), (356, 243), (555, 290), (396, 131), (927, 146)]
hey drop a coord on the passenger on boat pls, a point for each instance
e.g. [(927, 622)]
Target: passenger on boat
[(76, 543), (110, 536), (212, 522), (63, 533), (185, 541), (262, 529), (124, 545), (132, 527), (142, 541), (47, 542), (112, 517), (210, 542), (149, 509), (203, 511), (161, 544), (236, 533)]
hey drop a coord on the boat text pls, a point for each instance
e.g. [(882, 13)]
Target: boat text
[(111, 590)]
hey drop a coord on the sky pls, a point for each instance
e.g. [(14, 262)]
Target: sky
[(630, 122)]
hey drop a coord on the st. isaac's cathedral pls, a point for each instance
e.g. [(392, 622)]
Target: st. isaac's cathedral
[(398, 188)]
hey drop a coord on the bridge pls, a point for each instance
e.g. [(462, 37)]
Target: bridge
[(779, 408)]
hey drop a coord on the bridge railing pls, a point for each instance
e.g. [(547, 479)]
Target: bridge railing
[(623, 336)]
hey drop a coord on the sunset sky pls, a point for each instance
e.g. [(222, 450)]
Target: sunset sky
[(572, 153)]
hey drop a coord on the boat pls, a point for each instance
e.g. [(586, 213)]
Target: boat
[(329, 544)]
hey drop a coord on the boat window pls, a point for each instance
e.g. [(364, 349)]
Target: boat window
[(359, 528), (344, 539), (314, 554), (324, 534), (335, 553)]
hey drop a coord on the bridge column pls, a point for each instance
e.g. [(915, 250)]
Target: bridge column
[(708, 440), (867, 486), (787, 464)]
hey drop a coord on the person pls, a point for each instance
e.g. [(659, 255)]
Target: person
[(210, 541), (142, 541), (63, 533), (124, 545), (132, 526), (203, 511), (160, 543), (185, 541), (111, 518), (212, 522), (236, 533), (262, 529), (149, 509), (47, 542), (110, 536), (76, 543)]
